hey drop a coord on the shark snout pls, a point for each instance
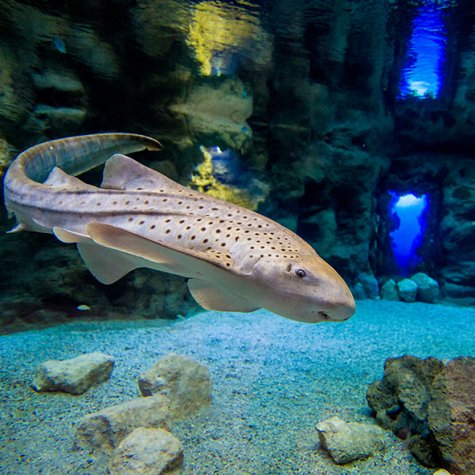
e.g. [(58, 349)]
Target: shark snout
[(337, 304), (340, 311)]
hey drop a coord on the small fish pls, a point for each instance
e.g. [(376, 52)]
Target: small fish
[(236, 260), (59, 44)]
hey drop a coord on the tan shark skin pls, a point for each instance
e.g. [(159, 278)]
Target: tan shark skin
[(236, 259)]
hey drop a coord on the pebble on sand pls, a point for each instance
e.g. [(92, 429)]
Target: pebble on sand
[(348, 441), (147, 451), (184, 381), (104, 430), (75, 375)]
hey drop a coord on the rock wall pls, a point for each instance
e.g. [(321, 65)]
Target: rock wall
[(303, 91)]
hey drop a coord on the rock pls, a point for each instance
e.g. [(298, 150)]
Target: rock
[(407, 290), (147, 452), (370, 285), (75, 375), (401, 398), (427, 287), (185, 382), (63, 81), (66, 120), (348, 441), (431, 406), (451, 414), (220, 109), (358, 291), (104, 430), (389, 290)]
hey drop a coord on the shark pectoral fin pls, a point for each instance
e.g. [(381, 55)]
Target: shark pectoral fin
[(107, 265), (130, 243), (125, 173), (157, 254), (213, 298), (59, 178), (69, 236)]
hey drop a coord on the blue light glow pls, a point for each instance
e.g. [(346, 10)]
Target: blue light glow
[(422, 75), (407, 237)]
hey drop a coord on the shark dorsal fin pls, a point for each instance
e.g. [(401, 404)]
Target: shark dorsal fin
[(58, 178), (124, 173)]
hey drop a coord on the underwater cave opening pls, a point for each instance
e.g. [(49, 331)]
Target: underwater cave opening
[(408, 214), (422, 75)]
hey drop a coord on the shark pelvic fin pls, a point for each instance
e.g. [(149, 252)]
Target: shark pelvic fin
[(130, 243), (124, 173), (18, 228), (212, 298)]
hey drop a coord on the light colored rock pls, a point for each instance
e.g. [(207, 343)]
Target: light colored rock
[(389, 290), (185, 382), (220, 109), (147, 452), (105, 429), (348, 441), (75, 375), (407, 290), (427, 287)]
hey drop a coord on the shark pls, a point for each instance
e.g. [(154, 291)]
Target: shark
[(235, 259)]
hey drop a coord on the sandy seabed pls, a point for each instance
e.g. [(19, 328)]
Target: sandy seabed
[(273, 380)]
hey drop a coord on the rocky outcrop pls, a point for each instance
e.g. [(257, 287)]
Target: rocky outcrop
[(451, 414), (147, 451), (186, 383), (430, 405), (75, 375), (349, 441), (106, 429)]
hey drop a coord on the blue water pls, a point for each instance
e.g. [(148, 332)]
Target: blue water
[(407, 237), (422, 75)]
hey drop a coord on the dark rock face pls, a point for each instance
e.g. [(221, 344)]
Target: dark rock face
[(305, 93), (44, 281), (431, 406), (452, 414)]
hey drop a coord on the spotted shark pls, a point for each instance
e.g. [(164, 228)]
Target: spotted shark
[(235, 259)]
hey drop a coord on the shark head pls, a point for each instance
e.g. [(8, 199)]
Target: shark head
[(305, 289)]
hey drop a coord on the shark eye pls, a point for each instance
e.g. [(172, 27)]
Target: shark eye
[(300, 273)]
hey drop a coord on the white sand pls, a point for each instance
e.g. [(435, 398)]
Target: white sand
[(273, 381)]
